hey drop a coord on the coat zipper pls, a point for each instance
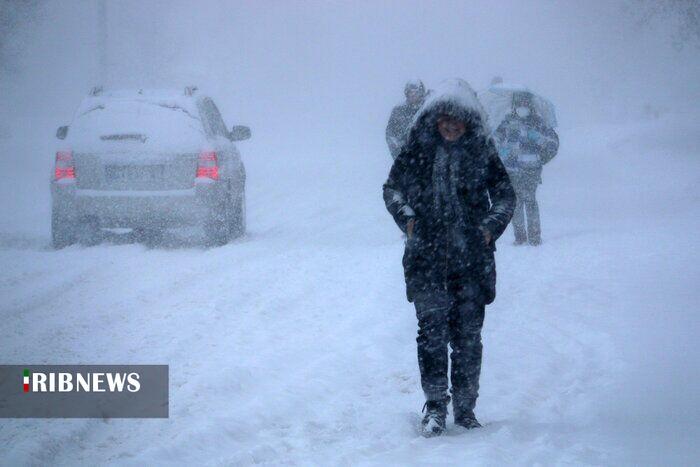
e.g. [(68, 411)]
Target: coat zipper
[(446, 265)]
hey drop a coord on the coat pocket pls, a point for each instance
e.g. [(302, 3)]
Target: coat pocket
[(411, 250)]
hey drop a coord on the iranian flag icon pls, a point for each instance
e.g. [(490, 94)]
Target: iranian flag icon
[(26, 380)]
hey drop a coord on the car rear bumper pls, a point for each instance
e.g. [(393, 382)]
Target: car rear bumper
[(133, 209)]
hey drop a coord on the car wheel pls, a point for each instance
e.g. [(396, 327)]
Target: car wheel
[(238, 224), (150, 236), (216, 226), (62, 231), (88, 232)]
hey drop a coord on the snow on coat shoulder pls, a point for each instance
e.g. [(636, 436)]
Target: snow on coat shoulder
[(457, 95)]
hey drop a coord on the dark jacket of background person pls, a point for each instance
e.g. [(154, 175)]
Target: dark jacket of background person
[(434, 259), (530, 135)]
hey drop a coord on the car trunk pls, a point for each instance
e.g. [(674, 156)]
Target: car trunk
[(128, 171)]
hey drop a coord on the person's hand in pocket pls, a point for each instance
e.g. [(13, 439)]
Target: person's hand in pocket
[(409, 227), (487, 236)]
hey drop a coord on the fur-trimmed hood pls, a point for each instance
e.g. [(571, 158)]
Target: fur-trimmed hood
[(452, 97)]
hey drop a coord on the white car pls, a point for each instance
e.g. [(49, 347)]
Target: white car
[(147, 160)]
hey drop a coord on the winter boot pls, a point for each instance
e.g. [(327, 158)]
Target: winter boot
[(520, 234), (466, 418), (435, 419)]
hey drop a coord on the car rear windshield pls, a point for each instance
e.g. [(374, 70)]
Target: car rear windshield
[(143, 122)]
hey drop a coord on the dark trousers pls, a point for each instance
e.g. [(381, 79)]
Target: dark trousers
[(450, 318), (526, 205)]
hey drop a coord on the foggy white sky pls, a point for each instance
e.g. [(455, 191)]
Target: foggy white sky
[(314, 76)]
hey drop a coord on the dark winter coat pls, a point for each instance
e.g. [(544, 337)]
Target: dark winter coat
[(432, 260), (398, 127), (532, 136)]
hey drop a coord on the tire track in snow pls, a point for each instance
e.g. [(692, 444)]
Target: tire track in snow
[(381, 379)]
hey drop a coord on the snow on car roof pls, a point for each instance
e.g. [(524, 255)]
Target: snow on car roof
[(160, 118), (166, 97), (150, 93)]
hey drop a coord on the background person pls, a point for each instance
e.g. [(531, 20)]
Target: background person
[(526, 143), (402, 116)]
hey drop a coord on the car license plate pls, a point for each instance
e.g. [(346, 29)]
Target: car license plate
[(134, 173)]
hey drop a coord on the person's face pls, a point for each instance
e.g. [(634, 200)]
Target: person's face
[(414, 97), (450, 128), (523, 110)]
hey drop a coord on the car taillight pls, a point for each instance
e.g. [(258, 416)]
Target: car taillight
[(208, 165), (65, 169)]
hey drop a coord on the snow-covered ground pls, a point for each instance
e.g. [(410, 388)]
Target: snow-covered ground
[(295, 345)]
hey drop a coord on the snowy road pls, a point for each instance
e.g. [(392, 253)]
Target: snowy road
[(295, 345)]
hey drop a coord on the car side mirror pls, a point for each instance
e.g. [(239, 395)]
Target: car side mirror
[(62, 132), (239, 133)]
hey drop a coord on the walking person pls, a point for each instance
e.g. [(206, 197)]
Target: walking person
[(402, 116), (449, 192), (526, 143)]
